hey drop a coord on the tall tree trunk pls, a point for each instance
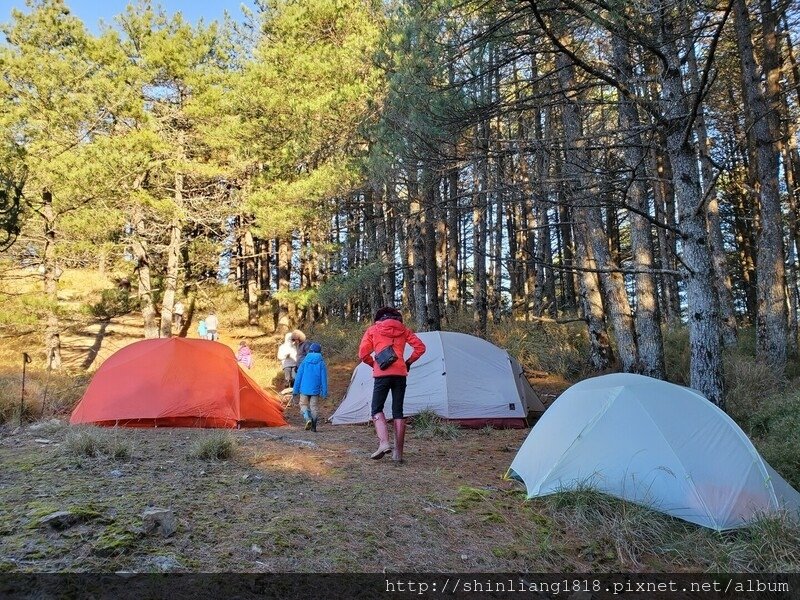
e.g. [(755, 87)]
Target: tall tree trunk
[(479, 315), (284, 278), (701, 297), (251, 274), (171, 277), (567, 257), (265, 262), (743, 217), (373, 236), (544, 249), (771, 319), (431, 199), (145, 293), (440, 235), (528, 261), (392, 243), (601, 356), (664, 195), (791, 174), (52, 334), (453, 219), (385, 257), (722, 277), (589, 220), (497, 244), (517, 233), (648, 328), (406, 258), (418, 248)]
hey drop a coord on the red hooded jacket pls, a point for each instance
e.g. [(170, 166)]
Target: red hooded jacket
[(389, 332)]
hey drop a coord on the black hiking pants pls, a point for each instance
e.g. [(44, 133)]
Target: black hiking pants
[(383, 385)]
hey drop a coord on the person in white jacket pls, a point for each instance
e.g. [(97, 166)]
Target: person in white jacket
[(287, 354), (212, 324)]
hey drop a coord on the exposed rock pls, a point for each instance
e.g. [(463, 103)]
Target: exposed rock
[(159, 520), (165, 564), (256, 549), (116, 473), (62, 519)]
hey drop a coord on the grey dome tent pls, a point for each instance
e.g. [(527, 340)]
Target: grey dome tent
[(460, 377), (653, 443)]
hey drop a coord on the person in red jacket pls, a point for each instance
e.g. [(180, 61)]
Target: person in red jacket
[(382, 348)]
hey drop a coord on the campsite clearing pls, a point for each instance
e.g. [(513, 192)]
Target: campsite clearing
[(290, 500)]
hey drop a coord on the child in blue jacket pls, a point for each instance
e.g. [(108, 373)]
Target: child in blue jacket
[(311, 384)]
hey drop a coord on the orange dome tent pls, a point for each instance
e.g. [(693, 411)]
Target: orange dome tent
[(176, 382)]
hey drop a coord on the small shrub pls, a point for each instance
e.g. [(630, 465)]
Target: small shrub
[(63, 391), (339, 338), (83, 443), (545, 346), (770, 544), (749, 383), (428, 424), (774, 425), (676, 355), (10, 398), (96, 443), (219, 445), (114, 302)]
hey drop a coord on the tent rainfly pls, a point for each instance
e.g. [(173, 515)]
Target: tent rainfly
[(460, 377), (176, 382), (656, 444)]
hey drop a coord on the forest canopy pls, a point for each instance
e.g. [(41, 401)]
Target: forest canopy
[(631, 166)]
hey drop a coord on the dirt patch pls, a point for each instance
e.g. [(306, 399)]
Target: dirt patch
[(289, 500), (309, 502)]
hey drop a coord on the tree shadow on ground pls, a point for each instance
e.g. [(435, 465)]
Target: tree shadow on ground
[(94, 349)]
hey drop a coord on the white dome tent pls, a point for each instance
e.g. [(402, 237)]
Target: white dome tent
[(656, 444), (460, 377)]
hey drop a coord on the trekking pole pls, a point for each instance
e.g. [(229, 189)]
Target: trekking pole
[(25, 360)]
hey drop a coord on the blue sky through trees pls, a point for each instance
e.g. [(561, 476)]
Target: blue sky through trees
[(91, 12)]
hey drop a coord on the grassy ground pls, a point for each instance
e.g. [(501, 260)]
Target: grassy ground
[(291, 500), (285, 499)]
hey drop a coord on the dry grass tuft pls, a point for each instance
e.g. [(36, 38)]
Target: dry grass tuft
[(45, 395), (218, 445), (749, 384), (428, 424), (11, 399), (95, 442), (545, 346)]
